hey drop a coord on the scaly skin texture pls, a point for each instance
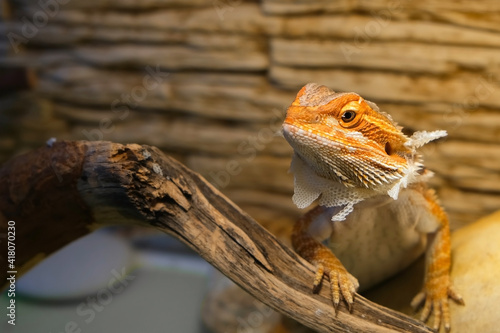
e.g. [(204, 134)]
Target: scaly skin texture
[(346, 140), (324, 260)]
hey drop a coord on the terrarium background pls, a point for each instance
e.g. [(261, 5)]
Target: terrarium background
[(233, 68)]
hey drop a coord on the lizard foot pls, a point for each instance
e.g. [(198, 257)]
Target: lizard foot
[(342, 283), (435, 298)]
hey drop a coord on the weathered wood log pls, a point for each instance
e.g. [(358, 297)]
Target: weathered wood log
[(60, 192)]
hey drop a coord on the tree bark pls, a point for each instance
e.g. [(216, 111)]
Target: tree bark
[(61, 192)]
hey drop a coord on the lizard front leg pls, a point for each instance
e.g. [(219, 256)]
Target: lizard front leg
[(326, 263), (437, 287)]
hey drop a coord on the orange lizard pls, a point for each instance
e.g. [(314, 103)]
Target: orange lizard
[(374, 207)]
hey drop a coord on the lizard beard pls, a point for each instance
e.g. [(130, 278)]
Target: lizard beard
[(308, 187), (309, 184)]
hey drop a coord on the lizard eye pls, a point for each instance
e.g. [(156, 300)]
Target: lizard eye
[(348, 116)]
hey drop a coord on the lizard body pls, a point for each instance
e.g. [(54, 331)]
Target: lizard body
[(375, 210)]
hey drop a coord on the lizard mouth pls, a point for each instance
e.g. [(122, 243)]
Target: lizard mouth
[(353, 165)]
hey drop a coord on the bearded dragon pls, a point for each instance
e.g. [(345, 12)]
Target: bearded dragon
[(374, 209)]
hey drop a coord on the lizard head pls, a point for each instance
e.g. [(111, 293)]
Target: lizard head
[(344, 137), (347, 150)]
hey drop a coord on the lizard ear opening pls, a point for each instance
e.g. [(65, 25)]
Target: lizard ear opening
[(388, 148)]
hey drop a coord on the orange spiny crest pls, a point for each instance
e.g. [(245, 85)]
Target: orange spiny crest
[(341, 136), (321, 111)]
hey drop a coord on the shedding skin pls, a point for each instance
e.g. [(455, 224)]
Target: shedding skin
[(344, 138)]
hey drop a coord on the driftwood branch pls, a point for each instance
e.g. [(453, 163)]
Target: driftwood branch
[(59, 193)]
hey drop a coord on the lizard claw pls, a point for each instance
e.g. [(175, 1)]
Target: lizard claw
[(343, 285), (436, 301), (452, 293)]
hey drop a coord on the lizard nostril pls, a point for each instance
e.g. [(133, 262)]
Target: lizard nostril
[(388, 148)]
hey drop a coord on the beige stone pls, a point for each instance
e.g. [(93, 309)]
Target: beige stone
[(305, 6), (460, 121), (409, 57), (243, 56), (489, 19), (128, 4), (475, 271), (242, 17), (318, 6), (459, 162), (245, 171), (243, 97), (464, 207), (394, 86)]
